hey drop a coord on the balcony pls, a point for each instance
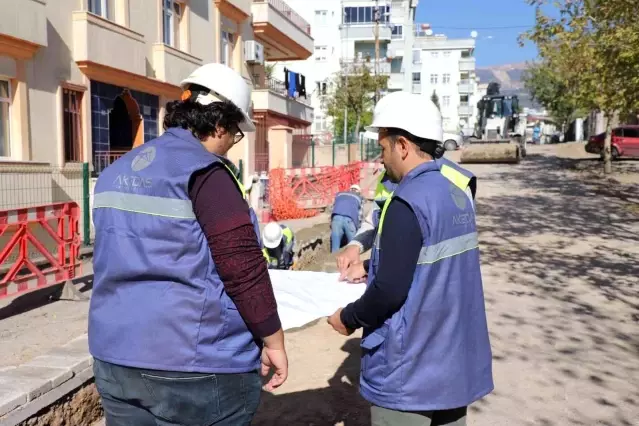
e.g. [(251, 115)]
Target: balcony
[(103, 159), (417, 87), (466, 87), (25, 25), (396, 81), (467, 64), (383, 66), (97, 40), (237, 10), (364, 32), (272, 96), (284, 34), (465, 109), (171, 65)]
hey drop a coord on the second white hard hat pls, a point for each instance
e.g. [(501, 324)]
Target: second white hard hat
[(416, 114), (272, 235), (224, 84)]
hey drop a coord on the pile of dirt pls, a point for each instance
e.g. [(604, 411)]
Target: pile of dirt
[(80, 408)]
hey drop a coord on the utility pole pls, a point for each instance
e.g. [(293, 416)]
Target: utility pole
[(345, 63), (376, 32)]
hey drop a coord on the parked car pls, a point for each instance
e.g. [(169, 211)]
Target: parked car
[(625, 142), (453, 141)]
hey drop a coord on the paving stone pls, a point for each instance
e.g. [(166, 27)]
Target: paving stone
[(56, 376), (72, 363), (79, 343), (33, 387), (10, 399)]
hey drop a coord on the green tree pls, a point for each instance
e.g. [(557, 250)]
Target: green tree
[(592, 47), (435, 99), (545, 86), (493, 88), (354, 90)]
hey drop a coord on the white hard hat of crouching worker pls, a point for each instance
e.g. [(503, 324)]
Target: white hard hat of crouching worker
[(272, 235), (415, 114), (223, 84)]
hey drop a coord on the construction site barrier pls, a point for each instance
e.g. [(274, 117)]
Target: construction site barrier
[(301, 193), (40, 246)]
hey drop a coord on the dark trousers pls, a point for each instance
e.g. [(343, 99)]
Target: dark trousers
[(136, 397), (386, 417)]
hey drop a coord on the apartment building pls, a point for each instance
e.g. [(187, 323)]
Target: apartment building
[(87, 80), (344, 34)]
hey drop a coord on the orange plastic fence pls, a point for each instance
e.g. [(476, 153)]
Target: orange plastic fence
[(300, 193), (46, 262)]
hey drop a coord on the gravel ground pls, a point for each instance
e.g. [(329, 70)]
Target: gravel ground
[(560, 259)]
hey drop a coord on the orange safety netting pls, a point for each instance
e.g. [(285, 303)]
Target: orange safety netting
[(301, 193)]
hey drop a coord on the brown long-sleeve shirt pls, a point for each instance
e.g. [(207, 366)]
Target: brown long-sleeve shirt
[(226, 222)]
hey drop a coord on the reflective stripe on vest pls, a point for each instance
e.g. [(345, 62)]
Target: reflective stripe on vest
[(145, 204)]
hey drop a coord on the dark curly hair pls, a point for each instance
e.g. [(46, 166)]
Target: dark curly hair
[(202, 120)]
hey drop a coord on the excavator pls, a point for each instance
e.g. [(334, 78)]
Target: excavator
[(499, 133)]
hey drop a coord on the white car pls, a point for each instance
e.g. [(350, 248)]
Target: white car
[(452, 141)]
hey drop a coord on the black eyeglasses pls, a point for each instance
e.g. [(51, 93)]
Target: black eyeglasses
[(238, 136)]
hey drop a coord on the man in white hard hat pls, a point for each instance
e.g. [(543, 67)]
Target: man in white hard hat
[(346, 216), (426, 353), (279, 243), (183, 315)]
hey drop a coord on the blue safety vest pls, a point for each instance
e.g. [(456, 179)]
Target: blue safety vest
[(158, 301), (434, 353), (348, 204)]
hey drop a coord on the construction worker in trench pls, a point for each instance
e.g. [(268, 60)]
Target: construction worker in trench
[(426, 351), (183, 317), (279, 243), (346, 216)]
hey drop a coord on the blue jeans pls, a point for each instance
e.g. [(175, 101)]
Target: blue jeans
[(340, 226), (132, 396)]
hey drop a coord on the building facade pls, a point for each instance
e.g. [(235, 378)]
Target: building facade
[(87, 80)]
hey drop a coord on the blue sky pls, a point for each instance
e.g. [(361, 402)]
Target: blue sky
[(495, 46)]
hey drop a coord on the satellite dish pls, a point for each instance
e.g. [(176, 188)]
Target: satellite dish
[(429, 32), (473, 34)]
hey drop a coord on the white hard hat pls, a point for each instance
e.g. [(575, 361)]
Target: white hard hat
[(272, 235), (224, 84), (356, 187), (416, 114)]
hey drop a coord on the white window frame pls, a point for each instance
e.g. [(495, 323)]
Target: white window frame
[(8, 101), (321, 53), (446, 101), (172, 36), (447, 54), (445, 78), (434, 54), (434, 78), (227, 40), (104, 8)]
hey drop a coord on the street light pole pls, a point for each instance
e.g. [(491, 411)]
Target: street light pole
[(409, 36)]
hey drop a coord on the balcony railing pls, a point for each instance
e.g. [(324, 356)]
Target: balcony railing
[(383, 66), (278, 86), (103, 159), (289, 13)]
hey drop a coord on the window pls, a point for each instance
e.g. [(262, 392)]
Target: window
[(365, 14), (397, 32), (173, 11), (446, 78), (5, 130), (433, 79), (320, 17), (446, 101), (72, 123), (417, 77), (320, 53), (101, 8), (447, 54), (434, 54), (630, 132), (321, 124), (417, 56), (226, 48), (321, 87)]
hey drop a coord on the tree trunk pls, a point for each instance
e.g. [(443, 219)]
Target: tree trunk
[(607, 158)]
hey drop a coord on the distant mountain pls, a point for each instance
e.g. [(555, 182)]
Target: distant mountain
[(509, 76)]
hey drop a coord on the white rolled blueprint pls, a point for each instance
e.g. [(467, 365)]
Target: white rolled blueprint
[(304, 296)]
